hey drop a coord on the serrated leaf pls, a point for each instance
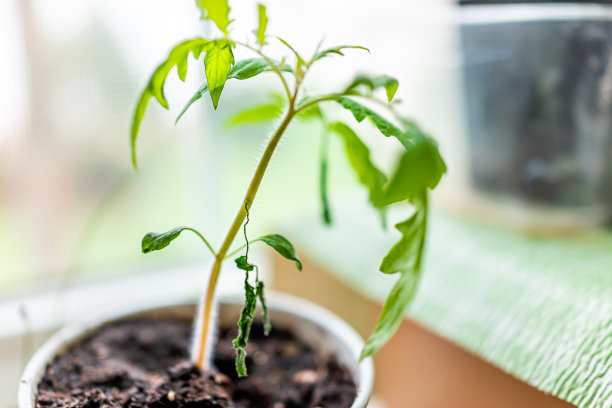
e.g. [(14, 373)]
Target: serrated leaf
[(244, 327), (405, 257), (263, 23), (360, 112), (155, 87), (260, 113), (372, 83), (264, 308), (335, 50), (358, 156), (154, 241), (241, 263), (218, 64), (420, 168), (217, 11), (281, 245), (392, 314), (243, 69)]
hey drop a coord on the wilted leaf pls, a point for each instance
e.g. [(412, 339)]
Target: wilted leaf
[(244, 327), (242, 263), (264, 308)]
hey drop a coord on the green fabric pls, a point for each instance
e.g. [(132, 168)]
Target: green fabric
[(538, 308)]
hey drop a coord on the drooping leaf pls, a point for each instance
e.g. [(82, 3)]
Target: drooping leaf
[(335, 50), (243, 69), (218, 64), (244, 327), (260, 113), (217, 11), (323, 176), (389, 83), (358, 155), (281, 245), (263, 23), (155, 87), (360, 112), (264, 308), (154, 241), (242, 263), (420, 168), (404, 257), (392, 314)]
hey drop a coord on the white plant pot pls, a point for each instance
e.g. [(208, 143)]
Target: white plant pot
[(311, 323)]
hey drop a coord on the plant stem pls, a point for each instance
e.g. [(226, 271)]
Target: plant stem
[(202, 347)]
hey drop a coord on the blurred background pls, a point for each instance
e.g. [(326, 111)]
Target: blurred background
[(69, 200), (517, 95)]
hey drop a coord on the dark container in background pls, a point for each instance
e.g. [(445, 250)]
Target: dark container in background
[(538, 100)]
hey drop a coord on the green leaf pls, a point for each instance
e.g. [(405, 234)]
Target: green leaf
[(155, 87), (358, 155), (392, 314), (389, 83), (250, 67), (243, 69), (218, 64), (405, 257), (263, 23), (241, 263), (244, 327), (360, 112), (335, 50), (312, 112), (300, 62), (264, 307), (282, 246), (154, 241), (259, 113), (216, 11), (420, 168), (323, 176)]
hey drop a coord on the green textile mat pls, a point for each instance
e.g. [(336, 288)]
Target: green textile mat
[(538, 308)]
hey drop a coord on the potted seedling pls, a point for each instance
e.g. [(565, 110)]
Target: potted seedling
[(195, 382)]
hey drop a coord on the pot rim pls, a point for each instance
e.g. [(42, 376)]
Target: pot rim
[(292, 305)]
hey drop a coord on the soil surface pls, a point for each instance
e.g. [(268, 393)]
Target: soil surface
[(141, 363)]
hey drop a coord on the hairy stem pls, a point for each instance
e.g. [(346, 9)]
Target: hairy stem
[(202, 346)]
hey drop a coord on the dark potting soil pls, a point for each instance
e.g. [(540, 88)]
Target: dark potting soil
[(140, 363)]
